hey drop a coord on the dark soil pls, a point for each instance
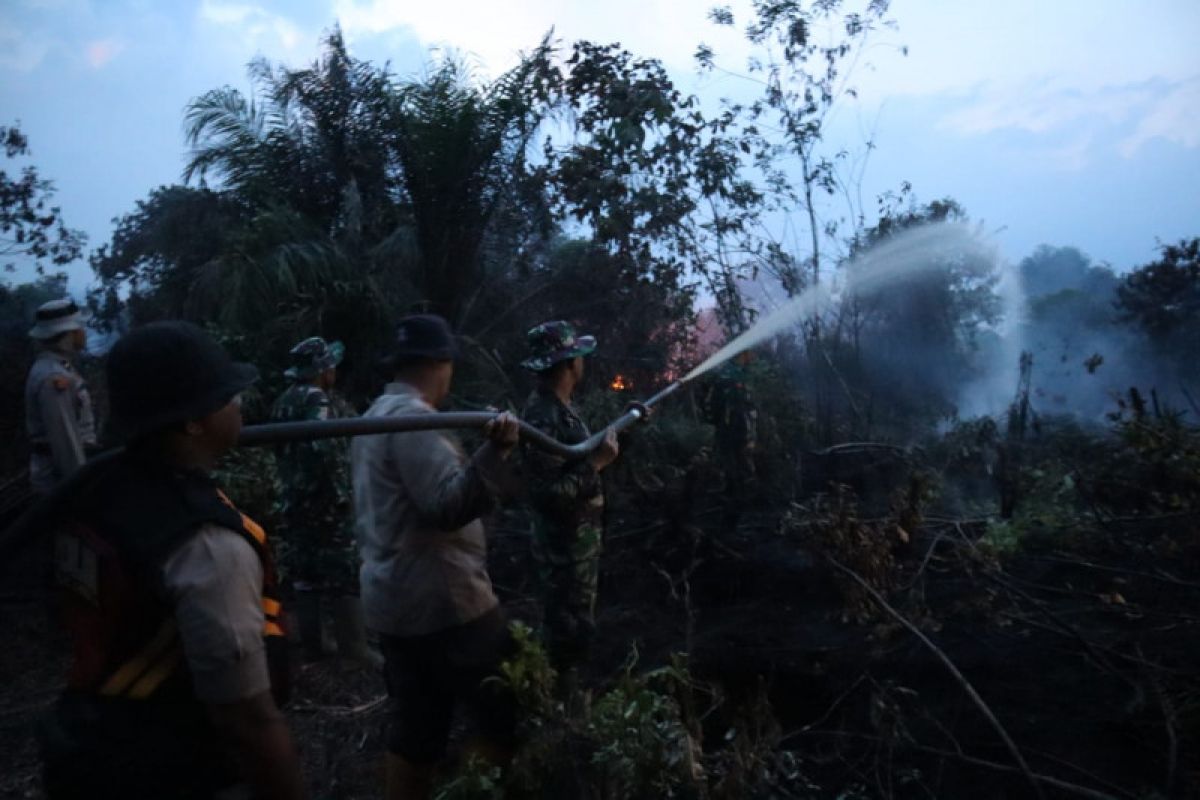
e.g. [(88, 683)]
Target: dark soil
[(1087, 653)]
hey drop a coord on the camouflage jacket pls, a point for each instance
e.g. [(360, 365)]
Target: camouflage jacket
[(729, 406), (567, 496), (314, 475)]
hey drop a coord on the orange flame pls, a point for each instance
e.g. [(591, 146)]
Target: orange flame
[(620, 384)]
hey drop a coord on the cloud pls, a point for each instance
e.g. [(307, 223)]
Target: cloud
[(101, 51), (1176, 118), (74, 6), (1036, 107), (496, 31), (253, 25), (21, 52), (1124, 117), (1086, 44)]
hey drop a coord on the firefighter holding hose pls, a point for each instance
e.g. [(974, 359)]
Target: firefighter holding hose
[(419, 500), (567, 496)]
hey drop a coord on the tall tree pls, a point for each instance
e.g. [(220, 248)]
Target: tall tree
[(1049, 270), (1162, 299), (158, 251), (31, 229), (353, 189), (803, 60), (360, 155), (304, 138), (461, 149), (324, 241)]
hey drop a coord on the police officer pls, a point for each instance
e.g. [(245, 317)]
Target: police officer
[(58, 409), (319, 555), (419, 500), (567, 497), (170, 596)]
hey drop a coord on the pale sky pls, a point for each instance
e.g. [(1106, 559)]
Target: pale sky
[(1065, 122)]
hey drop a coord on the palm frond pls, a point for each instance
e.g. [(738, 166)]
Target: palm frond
[(225, 131)]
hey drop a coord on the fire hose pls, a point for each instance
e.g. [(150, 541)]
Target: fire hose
[(45, 512), (279, 432)]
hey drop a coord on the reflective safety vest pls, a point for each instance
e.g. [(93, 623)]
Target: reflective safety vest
[(109, 563)]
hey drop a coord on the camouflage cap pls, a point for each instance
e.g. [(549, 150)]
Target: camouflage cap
[(555, 341), (312, 357)]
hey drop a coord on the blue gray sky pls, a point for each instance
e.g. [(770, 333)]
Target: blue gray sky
[(1072, 122)]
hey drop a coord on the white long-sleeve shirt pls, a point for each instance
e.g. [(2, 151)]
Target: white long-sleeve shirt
[(418, 501)]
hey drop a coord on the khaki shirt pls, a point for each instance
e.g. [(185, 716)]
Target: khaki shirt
[(417, 501), (215, 580), (58, 419)]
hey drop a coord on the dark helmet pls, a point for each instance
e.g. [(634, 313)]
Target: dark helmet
[(165, 373), (424, 336)]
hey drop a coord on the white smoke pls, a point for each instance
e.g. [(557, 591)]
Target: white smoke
[(1000, 351)]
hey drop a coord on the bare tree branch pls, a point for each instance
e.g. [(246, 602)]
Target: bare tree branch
[(954, 671)]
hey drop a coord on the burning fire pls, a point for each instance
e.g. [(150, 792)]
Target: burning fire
[(620, 384)]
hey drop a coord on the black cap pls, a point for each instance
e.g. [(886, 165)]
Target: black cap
[(424, 336), (169, 372)]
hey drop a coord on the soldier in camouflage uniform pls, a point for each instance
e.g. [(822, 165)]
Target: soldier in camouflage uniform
[(318, 553), (567, 496), (730, 407)]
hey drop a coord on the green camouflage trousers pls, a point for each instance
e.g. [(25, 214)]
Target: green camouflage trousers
[(318, 560), (569, 572)]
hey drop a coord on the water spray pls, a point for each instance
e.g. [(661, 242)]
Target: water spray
[(901, 256)]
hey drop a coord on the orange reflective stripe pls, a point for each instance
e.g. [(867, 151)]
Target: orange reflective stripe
[(271, 607), (254, 529), (154, 677), (272, 629), (120, 680)]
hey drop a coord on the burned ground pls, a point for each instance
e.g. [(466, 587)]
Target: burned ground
[(1063, 664)]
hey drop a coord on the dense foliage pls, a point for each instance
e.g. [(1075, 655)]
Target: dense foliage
[(31, 229), (973, 465)]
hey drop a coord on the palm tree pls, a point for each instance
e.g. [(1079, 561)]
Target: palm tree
[(461, 146), (325, 246), (302, 138), (440, 153)]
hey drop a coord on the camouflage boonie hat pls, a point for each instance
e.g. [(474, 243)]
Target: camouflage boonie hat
[(312, 357), (555, 341)]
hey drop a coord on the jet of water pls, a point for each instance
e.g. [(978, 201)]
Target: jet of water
[(892, 261)]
